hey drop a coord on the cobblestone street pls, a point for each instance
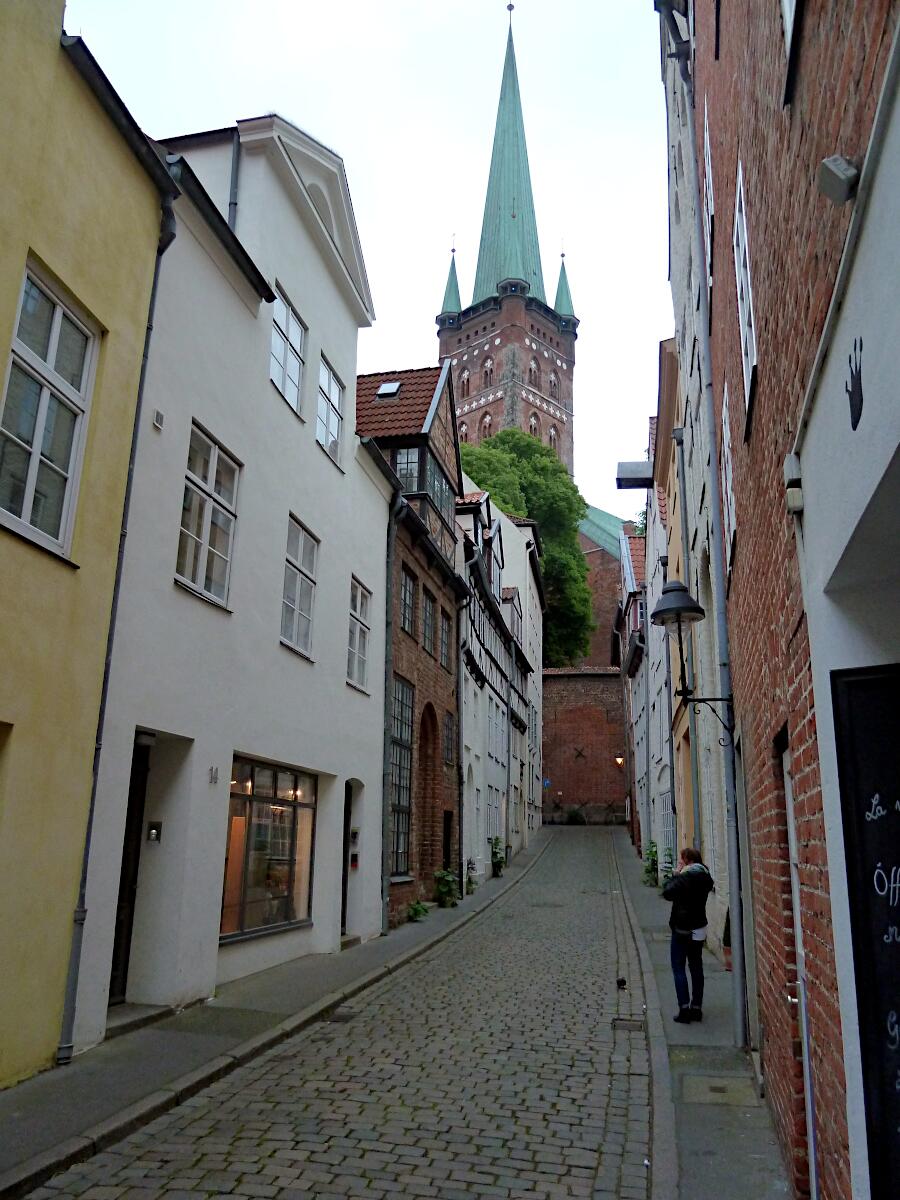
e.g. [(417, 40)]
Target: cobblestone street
[(489, 1067)]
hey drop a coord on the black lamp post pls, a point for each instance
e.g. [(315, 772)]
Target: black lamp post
[(677, 608)]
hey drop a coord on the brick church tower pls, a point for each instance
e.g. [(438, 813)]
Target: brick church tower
[(512, 355)]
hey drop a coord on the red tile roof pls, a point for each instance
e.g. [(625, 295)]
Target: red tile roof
[(636, 546), (473, 497), (398, 415), (509, 593)]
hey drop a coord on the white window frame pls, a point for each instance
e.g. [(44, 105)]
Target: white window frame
[(212, 501), (788, 14), (744, 286), (330, 409), (288, 333), (729, 523), (709, 205), (296, 566), (76, 400), (360, 633)]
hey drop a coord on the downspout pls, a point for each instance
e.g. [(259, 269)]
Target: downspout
[(664, 563), (678, 435), (235, 170), (65, 1048), (717, 557), (462, 606), (397, 504)]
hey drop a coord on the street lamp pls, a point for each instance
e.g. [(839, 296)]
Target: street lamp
[(677, 608)]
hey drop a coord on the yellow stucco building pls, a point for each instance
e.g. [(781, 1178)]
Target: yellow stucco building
[(80, 224)]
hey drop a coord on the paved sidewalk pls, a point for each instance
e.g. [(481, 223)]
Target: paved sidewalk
[(726, 1140), (64, 1114)]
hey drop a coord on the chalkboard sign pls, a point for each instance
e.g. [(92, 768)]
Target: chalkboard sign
[(867, 729)]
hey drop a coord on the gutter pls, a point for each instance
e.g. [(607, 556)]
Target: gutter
[(717, 551), (678, 437), (65, 1048), (397, 505)]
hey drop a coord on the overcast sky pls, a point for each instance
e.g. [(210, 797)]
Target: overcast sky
[(406, 92)]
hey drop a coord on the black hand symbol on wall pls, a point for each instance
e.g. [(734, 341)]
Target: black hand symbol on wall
[(854, 387)]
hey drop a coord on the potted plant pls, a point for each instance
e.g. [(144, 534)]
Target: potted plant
[(498, 857), (446, 889)]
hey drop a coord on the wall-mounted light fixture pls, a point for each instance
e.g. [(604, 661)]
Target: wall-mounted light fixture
[(620, 760), (677, 608)]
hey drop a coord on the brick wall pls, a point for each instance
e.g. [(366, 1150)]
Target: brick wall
[(583, 732), (435, 782), (507, 332), (604, 580), (795, 241)]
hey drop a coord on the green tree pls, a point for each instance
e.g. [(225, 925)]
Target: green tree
[(525, 478)]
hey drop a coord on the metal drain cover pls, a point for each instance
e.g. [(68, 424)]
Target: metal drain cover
[(634, 1024), (341, 1016), (737, 1090)]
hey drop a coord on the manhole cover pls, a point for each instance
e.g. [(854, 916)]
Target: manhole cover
[(634, 1024), (341, 1016), (719, 1089)]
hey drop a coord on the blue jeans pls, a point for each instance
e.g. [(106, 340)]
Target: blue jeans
[(687, 952)]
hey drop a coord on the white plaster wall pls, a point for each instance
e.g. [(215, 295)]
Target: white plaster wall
[(217, 682), (850, 566)]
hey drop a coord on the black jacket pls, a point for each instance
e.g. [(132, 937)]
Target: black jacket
[(688, 891)]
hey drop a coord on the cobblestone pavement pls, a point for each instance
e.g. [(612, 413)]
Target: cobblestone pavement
[(490, 1067)]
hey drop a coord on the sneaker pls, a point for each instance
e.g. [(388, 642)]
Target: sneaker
[(696, 1013), (683, 1016)]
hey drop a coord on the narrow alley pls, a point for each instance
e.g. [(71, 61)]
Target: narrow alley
[(510, 1060)]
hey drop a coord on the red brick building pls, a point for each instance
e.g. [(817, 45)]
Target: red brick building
[(584, 727), (409, 415), (772, 91)]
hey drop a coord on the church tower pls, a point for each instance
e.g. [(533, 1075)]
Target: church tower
[(512, 355)]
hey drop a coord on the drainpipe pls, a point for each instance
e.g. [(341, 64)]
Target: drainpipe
[(397, 505), (65, 1048), (235, 169), (462, 608), (678, 435), (664, 563), (717, 555)]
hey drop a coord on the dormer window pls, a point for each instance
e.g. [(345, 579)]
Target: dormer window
[(406, 465), (464, 385), (487, 374)]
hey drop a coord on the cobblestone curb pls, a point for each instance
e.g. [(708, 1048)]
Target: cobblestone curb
[(663, 1145), (31, 1173)]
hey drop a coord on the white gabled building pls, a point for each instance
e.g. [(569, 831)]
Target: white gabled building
[(501, 684), (238, 814)]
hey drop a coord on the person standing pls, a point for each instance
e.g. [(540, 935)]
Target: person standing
[(687, 891)]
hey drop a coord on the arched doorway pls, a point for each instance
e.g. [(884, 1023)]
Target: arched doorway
[(427, 830)]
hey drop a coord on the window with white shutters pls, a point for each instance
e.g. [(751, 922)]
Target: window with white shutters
[(744, 290), (727, 477)]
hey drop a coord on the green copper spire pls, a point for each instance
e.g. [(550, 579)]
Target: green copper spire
[(509, 241), (563, 303), (451, 292)]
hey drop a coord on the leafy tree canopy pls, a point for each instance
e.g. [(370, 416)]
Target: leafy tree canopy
[(525, 478)]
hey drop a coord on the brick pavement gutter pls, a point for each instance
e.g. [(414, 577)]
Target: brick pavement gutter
[(32, 1172), (663, 1145)]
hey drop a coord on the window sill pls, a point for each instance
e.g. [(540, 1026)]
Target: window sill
[(334, 462), (195, 591), (250, 935), (23, 532), (357, 687), (398, 879), (409, 634), (296, 650)]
